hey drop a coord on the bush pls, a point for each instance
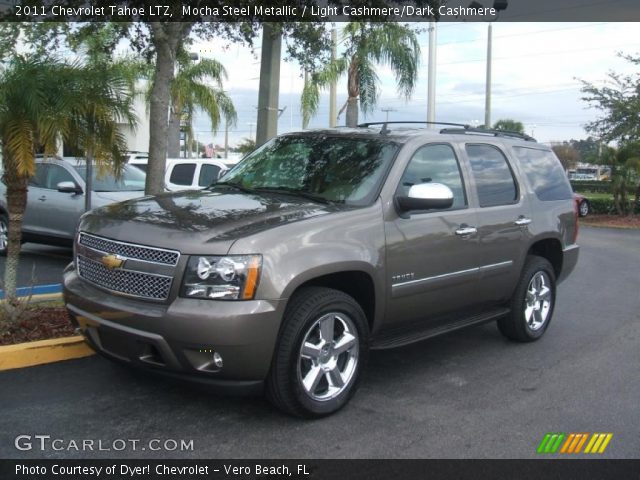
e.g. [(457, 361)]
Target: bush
[(607, 207), (595, 187)]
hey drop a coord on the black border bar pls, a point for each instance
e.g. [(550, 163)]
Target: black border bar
[(583, 469)]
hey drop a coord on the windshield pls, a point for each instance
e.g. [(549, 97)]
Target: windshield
[(132, 179), (336, 169)]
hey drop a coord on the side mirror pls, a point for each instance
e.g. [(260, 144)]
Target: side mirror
[(222, 173), (426, 196), (69, 187)]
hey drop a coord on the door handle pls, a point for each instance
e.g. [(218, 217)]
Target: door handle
[(42, 198), (522, 221), (465, 230)]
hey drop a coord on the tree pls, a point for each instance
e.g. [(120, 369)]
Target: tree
[(190, 90), (509, 125), (589, 149), (567, 154), (159, 43), (619, 102), (246, 146), (42, 100), (625, 176), (366, 44)]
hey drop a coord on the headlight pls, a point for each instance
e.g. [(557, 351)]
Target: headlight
[(222, 278)]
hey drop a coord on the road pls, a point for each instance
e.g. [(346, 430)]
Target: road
[(469, 394), (40, 264)]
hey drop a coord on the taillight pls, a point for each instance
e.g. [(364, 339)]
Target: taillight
[(577, 215)]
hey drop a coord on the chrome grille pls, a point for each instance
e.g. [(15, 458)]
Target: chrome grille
[(144, 285), (129, 250)]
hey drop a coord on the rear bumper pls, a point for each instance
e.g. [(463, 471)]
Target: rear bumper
[(569, 261), (179, 339)]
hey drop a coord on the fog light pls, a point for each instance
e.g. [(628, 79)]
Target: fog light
[(217, 360)]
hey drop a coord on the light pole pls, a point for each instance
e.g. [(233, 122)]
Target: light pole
[(431, 86), (498, 5), (487, 93), (387, 110)]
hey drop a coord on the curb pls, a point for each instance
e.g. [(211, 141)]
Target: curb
[(47, 297), (30, 354)]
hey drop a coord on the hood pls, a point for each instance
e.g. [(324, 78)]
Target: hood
[(105, 198), (189, 219)]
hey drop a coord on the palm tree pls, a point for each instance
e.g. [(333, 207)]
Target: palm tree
[(44, 100), (367, 44), (191, 89)]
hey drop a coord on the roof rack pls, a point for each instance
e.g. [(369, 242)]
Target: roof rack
[(384, 130), (489, 131), (463, 130)]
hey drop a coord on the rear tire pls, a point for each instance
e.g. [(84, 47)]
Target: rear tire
[(584, 208), (321, 353), (532, 303)]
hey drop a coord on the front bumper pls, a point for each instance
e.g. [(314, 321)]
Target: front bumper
[(179, 338)]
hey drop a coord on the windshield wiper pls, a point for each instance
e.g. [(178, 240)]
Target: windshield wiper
[(233, 185), (295, 192)]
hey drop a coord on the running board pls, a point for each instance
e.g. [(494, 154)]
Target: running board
[(404, 336)]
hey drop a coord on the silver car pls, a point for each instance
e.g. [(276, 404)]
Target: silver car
[(56, 199)]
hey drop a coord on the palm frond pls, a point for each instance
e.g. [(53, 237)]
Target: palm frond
[(309, 101), (367, 81)]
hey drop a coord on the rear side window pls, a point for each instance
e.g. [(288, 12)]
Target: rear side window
[(545, 174), (494, 180), (208, 174), (182, 174)]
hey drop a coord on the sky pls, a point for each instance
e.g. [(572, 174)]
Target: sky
[(537, 68)]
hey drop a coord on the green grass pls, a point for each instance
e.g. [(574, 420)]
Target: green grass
[(597, 196)]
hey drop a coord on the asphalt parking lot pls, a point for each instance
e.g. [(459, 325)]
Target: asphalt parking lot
[(469, 394), (40, 264)]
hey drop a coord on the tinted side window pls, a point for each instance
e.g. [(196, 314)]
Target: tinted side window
[(494, 180), (208, 174), (437, 164), (182, 174), (545, 174)]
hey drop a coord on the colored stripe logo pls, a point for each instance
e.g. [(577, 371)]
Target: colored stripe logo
[(571, 443)]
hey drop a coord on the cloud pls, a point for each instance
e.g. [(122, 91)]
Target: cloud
[(536, 67)]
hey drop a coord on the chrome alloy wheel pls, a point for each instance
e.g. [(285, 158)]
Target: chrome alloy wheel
[(328, 356), (538, 301), (4, 235), (584, 208)]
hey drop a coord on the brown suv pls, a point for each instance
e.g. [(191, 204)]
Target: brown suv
[(322, 245)]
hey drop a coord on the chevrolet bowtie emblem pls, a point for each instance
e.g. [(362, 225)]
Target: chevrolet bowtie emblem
[(112, 261)]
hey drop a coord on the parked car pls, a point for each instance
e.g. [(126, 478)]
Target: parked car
[(321, 245), (133, 155), (187, 173), (582, 204), (56, 199)]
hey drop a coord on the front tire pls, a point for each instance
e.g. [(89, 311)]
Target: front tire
[(322, 351), (532, 303)]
